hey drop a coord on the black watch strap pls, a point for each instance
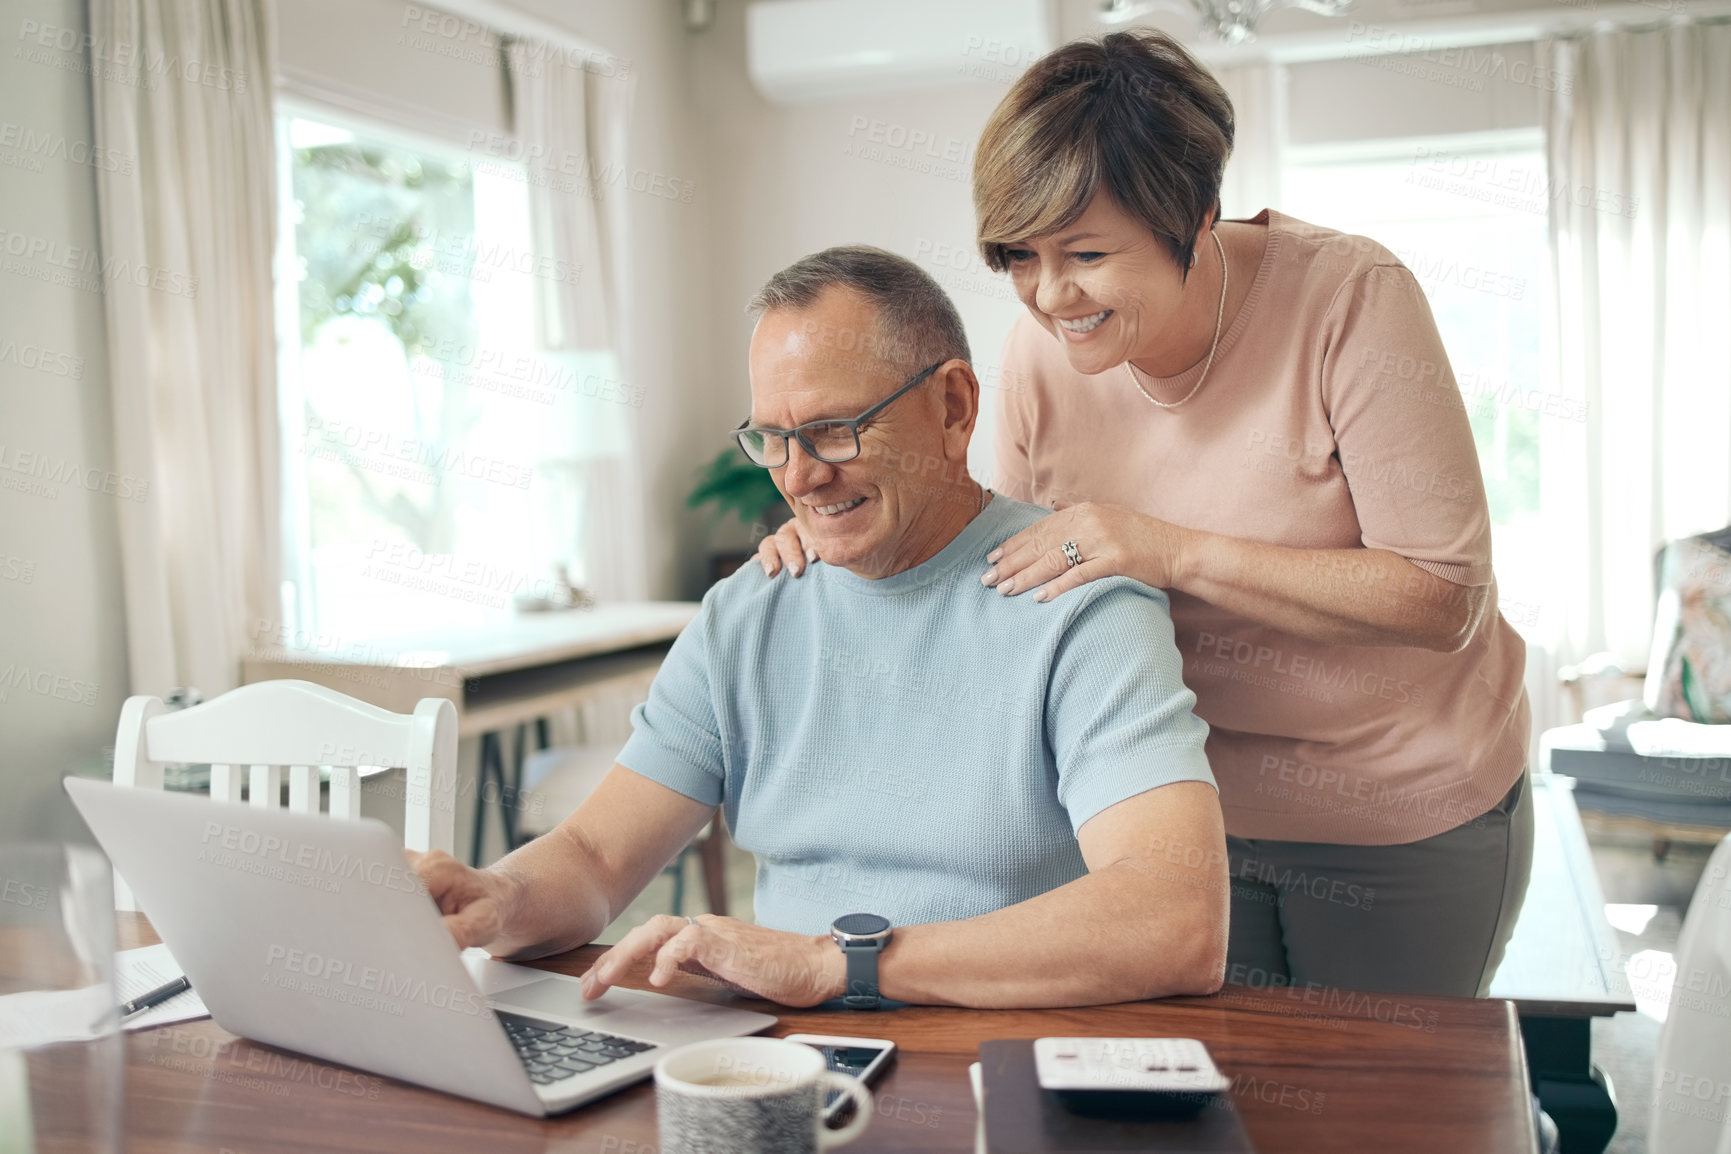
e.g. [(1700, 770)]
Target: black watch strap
[(862, 976)]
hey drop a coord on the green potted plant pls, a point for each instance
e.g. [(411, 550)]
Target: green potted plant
[(735, 485)]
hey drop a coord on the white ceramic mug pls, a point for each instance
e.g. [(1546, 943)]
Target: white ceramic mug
[(751, 1096)]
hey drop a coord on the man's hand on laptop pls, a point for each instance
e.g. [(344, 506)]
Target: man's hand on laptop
[(477, 904), (792, 969)]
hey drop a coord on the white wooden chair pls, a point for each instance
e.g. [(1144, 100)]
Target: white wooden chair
[(254, 733), (557, 781)]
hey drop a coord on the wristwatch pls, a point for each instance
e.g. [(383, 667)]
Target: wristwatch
[(862, 937)]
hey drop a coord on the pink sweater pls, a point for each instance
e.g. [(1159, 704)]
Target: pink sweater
[(1330, 420)]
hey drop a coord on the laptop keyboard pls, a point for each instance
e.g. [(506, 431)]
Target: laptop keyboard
[(550, 1051)]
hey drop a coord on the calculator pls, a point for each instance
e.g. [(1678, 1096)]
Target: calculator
[(1129, 1077)]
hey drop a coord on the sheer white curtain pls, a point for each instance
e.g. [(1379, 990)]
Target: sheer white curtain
[(187, 238), (565, 116), (571, 123), (571, 118), (1639, 139)]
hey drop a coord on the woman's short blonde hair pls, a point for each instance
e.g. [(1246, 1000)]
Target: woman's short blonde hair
[(1133, 113)]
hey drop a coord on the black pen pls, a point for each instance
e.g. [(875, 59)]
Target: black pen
[(155, 997)]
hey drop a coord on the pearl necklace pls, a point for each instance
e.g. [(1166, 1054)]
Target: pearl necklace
[(1219, 315)]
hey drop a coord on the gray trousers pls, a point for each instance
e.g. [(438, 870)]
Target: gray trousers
[(1428, 917)]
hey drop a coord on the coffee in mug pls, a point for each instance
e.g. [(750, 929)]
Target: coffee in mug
[(751, 1096)]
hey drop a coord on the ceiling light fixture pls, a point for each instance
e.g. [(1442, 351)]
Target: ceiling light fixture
[(1228, 21)]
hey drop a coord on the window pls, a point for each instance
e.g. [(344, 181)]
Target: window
[(1469, 219), (433, 458)]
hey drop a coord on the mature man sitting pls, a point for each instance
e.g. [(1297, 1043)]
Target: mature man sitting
[(1018, 788)]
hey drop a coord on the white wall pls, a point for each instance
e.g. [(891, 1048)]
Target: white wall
[(62, 652), (375, 57), (892, 171), (1434, 93)]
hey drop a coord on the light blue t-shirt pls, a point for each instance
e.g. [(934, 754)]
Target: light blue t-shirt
[(918, 746)]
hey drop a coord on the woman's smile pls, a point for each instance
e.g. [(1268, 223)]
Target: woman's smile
[(1082, 326)]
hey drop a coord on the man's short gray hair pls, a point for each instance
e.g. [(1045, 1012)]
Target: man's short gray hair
[(916, 321)]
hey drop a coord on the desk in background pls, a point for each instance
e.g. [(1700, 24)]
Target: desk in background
[(499, 678), (1562, 969), (1328, 1072)]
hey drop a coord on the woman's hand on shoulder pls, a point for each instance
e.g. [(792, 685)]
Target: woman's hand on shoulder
[(786, 547), (1113, 541)]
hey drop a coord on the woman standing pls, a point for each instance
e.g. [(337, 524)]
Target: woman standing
[(1260, 417)]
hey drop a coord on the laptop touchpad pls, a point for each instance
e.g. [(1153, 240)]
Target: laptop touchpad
[(561, 996)]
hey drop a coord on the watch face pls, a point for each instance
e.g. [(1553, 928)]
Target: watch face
[(860, 925)]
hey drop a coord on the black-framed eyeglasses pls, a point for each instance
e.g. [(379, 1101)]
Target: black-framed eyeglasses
[(831, 441)]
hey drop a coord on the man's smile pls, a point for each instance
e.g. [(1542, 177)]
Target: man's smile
[(838, 508)]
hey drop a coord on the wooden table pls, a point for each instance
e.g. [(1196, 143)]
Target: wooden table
[(1563, 968), (495, 676), (499, 678), (1322, 1071)]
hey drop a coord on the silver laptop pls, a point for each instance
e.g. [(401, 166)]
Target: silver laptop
[(314, 935)]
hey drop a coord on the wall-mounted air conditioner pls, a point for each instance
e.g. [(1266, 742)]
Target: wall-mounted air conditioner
[(820, 49)]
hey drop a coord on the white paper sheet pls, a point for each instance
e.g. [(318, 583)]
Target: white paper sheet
[(142, 970), (977, 1081), (16, 1133), (34, 1018)]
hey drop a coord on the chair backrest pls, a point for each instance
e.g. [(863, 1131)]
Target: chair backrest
[(1692, 1081), (253, 734), (604, 718)]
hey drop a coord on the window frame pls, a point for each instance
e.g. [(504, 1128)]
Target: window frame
[(299, 603)]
